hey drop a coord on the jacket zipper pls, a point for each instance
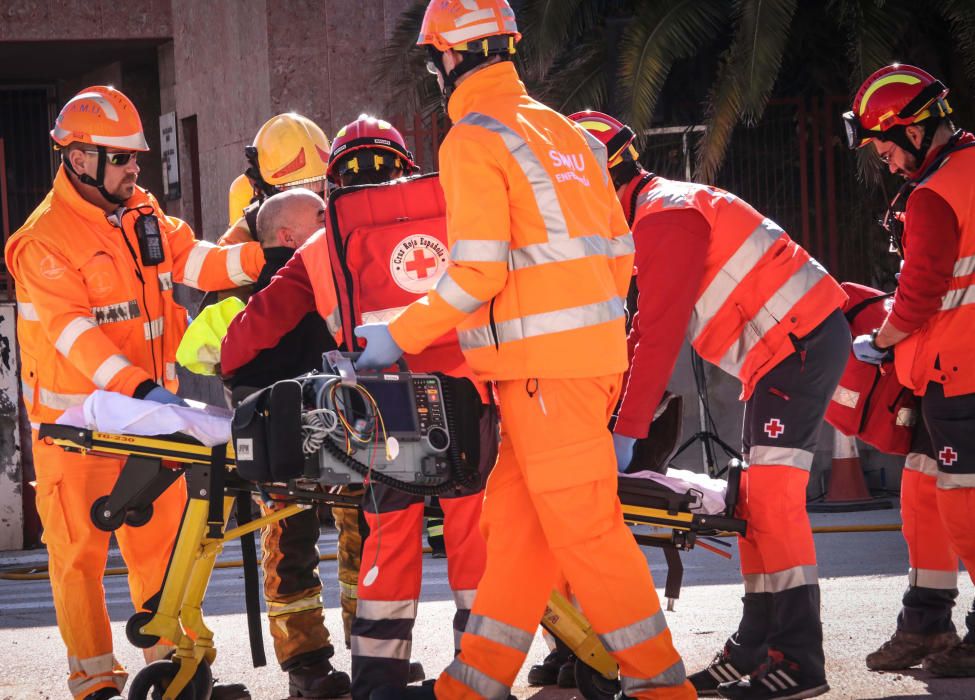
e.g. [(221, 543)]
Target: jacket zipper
[(866, 401), (494, 326)]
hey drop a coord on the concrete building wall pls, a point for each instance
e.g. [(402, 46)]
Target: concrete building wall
[(85, 20)]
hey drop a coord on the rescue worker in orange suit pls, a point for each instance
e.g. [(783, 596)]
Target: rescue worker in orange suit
[(289, 150), (757, 305), (903, 112), (540, 260), (366, 151), (94, 267)]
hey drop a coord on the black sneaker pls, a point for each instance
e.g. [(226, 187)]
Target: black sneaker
[(104, 694), (777, 679), (720, 670)]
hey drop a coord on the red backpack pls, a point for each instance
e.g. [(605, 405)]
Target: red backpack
[(870, 402), (388, 247)]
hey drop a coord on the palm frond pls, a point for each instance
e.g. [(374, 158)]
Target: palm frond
[(960, 15), (578, 81), (724, 108), (547, 26), (659, 34), (873, 30), (399, 69)]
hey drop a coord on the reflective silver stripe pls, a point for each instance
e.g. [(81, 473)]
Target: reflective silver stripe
[(464, 599), (561, 250), (480, 251), (621, 246), (789, 456), (776, 308), (906, 417), (72, 331), (599, 150), (456, 296), (334, 321), (59, 401), (276, 609), (348, 590), (672, 677), (165, 281), (964, 266), (108, 369), (194, 262), (235, 268), (381, 648), (154, 328), (846, 397), (781, 580), (35, 426), (500, 632), (948, 481), (958, 297), (636, 633), (458, 636), (479, 682), (538, 178), (386, 609), (917, 462), (933, 578), (752, 249), (542, 324), (95, 670), (26, 311), (170, 371)]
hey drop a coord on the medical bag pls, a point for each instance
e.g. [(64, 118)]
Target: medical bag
[(388, 248), (870, 402)]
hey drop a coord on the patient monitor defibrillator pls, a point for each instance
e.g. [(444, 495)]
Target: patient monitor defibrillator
[(338, 428)]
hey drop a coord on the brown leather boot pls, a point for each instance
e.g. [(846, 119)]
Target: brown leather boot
[(906, 649), (955, 662)]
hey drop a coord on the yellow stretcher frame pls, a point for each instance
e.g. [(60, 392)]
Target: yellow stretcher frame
[(178, 616)]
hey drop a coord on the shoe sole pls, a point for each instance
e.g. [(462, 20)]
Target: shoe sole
[(807, 693)]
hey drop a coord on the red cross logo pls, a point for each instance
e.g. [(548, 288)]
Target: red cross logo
[(948, 456), (774, 428), (421, 264)]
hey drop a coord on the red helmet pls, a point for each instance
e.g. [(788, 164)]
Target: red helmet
[(614, 134), (895, 96), (376, 135)]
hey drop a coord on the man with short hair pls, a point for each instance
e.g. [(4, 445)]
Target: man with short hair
[(95, 265)]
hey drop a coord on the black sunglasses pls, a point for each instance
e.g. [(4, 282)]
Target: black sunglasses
[(118, 158)]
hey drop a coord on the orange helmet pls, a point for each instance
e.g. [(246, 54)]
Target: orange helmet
[(467, 25), (100, 116), (894, 97), (384, 141), (612, 133)]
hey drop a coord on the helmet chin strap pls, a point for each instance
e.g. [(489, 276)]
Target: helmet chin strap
[(96, 182), (898, 136)]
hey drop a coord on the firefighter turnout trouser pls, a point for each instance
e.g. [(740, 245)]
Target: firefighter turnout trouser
[(950, 422), (351, 527), (778, 556), (551, 508), (293, 588), (932, 580), (77, 551), (382, 632)]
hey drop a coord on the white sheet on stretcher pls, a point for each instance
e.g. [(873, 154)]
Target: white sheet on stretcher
[(711, 501), (108, 412)]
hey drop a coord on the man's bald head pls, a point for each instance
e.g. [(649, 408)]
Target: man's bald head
[(289, 218)]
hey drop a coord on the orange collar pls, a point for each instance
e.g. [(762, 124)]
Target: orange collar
[(492, 81)]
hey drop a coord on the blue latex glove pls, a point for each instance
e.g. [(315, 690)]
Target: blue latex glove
[(866, 351), (623, 446), (161, 395), (381, 350)]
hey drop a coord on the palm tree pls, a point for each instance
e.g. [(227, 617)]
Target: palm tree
[(624, 56)]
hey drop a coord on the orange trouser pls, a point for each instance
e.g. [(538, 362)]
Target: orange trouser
[(67, 485), (551, 507)]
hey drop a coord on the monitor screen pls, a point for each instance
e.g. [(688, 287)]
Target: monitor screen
[(395, 399)]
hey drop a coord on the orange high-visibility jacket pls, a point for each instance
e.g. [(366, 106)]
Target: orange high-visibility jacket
[(540, 253), (942, 349), (759, 286), (85, 319)]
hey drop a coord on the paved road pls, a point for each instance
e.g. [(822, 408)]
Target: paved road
[(862, 582)]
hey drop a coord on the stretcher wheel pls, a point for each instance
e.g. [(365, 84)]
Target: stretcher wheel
[(135, 637), (592, 684), (138, 518), (151, 682), (98, 510)]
